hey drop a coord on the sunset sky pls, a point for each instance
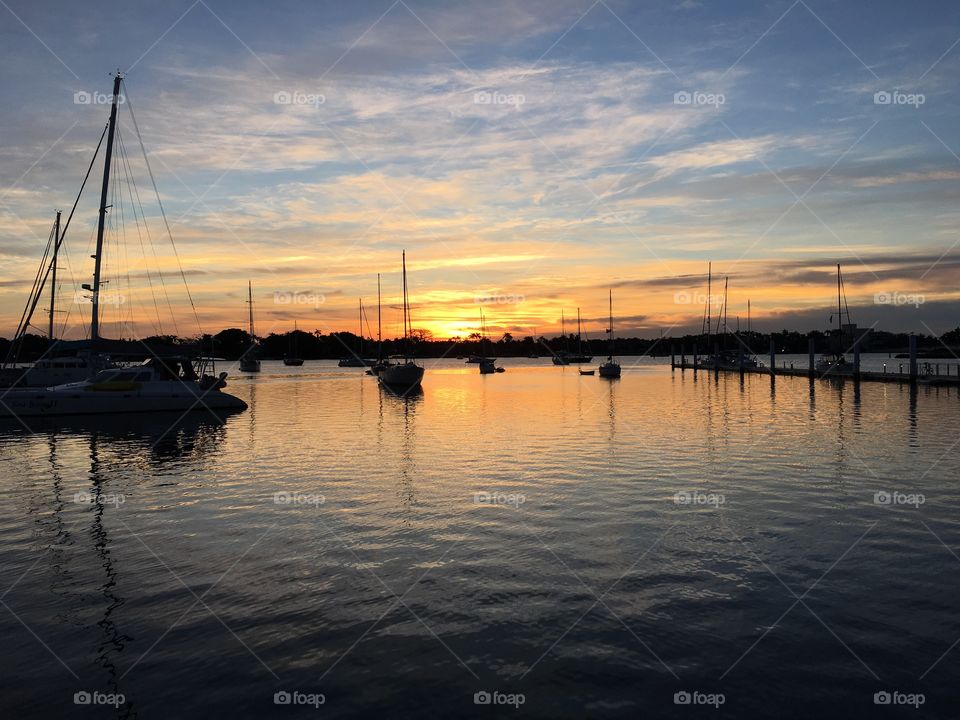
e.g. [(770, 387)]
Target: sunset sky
[(527, 154)]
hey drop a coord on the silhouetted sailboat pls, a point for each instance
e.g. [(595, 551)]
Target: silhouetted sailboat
[(168, 383), (610, 369), (405, 375), (291, 358), (357, 360), (249, 361), (835, 362)]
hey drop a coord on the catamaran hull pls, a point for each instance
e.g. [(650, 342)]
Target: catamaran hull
[(51, 403)]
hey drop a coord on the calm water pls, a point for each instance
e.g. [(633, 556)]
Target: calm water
[(180, 580)]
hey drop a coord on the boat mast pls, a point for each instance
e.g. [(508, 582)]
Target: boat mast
[(839, 315), (379, 331), (563, 331), (610, 325), (104, 190), (361, 328), (709, 303), (579, 340), (250, 303), (406, 341), (53, 274)]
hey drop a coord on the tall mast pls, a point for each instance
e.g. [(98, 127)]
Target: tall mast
[(748, 316), (563, 331), (726, 286), (379, 332), (53, 274), (361, 328), (406, 342), (610, 325), (579, 341), (104, 190), (250, 303), (709, 303)]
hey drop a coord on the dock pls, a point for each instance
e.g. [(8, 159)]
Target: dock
[(910, 372)]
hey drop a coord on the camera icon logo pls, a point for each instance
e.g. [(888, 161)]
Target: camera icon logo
[(82, 97), (82, 698), (282, 698), (882, 498), (682, 98), (482, 698), (282, 98), (882, 698), (882, 97), (682, 698)]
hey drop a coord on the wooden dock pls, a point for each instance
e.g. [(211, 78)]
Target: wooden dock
[(916, 373)]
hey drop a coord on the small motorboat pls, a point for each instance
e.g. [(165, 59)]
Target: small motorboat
[(588, 372)]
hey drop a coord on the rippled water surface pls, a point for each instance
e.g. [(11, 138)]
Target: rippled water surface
[(594, 546)]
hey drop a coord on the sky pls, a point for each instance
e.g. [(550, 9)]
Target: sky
[(529, 156)]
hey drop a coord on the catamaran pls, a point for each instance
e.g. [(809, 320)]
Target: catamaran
[(610, 369), (405, 374), (158, 384)]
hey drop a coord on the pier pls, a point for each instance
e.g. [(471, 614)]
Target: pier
[(909, 371)]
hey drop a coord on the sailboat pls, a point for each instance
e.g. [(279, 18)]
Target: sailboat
[(249, 361), (169, 383), (291, 358), (610, 369), (565, 357), (53, 368), (836, 361), (560, 358), (407, 374), (487, 364), (357, 360), (381, 364)]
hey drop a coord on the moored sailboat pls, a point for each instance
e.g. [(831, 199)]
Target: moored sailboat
[(611, 368), (250, 360), (405, 374), (160, 383)]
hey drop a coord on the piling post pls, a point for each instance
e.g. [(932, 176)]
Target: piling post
[(716, 359), (773, 356), (913, 358), (740, 360), (683, 356), (673, 356), (856, 359), (696, 359), (812, 353)]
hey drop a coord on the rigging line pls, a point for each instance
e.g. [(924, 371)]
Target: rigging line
[(153, 247), (129, 319), (13, 351), (143, 251), (163, 214)]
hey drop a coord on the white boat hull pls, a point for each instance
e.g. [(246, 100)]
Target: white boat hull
[(67, 400)]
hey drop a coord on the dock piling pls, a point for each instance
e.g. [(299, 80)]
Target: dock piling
[(913, 358)]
